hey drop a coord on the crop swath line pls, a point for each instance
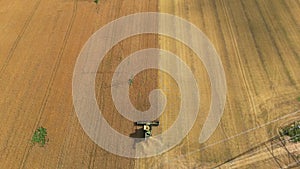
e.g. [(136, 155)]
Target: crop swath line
[(67, 139), (285, 43), (292, 46), (270, 35), (222, 37), (298, 3), (219, 25), (236, 50), (259, 52), (19, 37), (53, 75)]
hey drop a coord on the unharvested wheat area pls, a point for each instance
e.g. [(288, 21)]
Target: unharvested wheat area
[(258, 44)]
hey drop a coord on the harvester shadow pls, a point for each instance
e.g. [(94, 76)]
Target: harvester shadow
[(139, 133)]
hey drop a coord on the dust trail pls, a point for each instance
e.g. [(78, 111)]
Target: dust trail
[(145, 148)]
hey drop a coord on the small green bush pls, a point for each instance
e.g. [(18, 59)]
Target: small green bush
[(130, 81), (298, 99), (96, 1), (39, 136)]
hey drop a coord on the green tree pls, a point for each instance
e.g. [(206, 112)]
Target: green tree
[(293, 131)]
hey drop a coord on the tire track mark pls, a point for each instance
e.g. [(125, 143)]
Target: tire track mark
[(236, 50), (66, 141), (222, 33), (287, 43), (279, 53), (259, 52), (52, 78), (265, 73), (298, 3), (289, 40), (226, 51), (11, 53), (92, 157), (19, 37), (229, 66)]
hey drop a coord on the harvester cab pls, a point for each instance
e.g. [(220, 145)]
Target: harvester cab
[(147, 127)]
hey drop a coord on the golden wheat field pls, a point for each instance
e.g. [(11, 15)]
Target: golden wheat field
[(257, 42)]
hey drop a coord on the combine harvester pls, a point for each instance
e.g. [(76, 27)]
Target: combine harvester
[(147, 127)]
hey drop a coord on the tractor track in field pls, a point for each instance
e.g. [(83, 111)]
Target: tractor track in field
[(235, 45), (273, 41), (52, 77), (19, 37), (259, 52), (12, 50), (280, 42), (288, 43)]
